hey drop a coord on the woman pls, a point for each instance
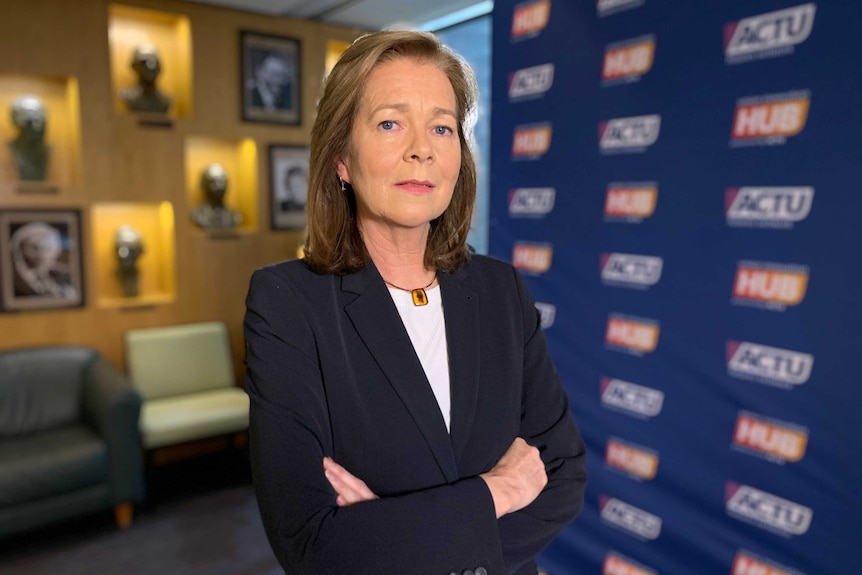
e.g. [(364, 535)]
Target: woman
[(405, 414)]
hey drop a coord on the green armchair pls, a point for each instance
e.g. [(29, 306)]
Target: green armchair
[(69, 441)]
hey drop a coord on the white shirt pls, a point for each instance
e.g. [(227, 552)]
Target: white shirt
[(427, 330)]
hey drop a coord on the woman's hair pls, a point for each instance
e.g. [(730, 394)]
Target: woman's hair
[(333, 244)]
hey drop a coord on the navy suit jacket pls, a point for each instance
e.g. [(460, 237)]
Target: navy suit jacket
[(332, 372)]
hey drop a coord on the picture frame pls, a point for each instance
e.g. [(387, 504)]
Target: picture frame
[(288, 186), (271, 78), (40, 259)]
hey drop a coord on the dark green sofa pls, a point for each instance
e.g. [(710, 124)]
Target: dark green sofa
[(69, 441)]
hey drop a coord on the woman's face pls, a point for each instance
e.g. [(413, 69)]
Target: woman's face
[(405, 154)]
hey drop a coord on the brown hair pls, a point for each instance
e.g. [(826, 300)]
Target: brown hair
[(333, 243)]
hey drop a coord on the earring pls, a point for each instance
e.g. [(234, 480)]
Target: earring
[(343, 185)]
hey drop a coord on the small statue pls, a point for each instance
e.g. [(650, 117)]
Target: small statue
[(129, 247), (213, 213), (145, 97), (29, 149)]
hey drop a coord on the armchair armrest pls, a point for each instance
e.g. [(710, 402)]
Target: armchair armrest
[(113, 407)]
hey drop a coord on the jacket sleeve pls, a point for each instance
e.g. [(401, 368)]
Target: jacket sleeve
[(547, 424), (435, 531)]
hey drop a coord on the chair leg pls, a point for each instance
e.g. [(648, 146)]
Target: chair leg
[(123, 515)]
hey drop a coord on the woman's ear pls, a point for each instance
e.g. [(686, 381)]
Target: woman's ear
[(342, 171)]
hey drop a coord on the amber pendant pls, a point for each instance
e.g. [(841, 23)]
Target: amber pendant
[(419, 297)]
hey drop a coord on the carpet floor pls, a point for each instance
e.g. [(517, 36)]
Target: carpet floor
[(200, 518)]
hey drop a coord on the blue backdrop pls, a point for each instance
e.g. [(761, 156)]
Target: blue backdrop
[(679, 182)]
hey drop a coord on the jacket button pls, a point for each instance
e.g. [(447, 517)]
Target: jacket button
[(467, 572), (481, 571)]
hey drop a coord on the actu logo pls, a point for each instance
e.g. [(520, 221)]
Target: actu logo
[(531, 142), (771, 365), (766, 510), (616, 564), (634, 335), (628, 60), (631, 270), (638, 461), (531, 257), (630, 202), (747, 563), (637, 400), (547, 314), (770, 119), (629, 135), (769, 285), (768, 35), (778, 440), (608, 7), (531, 202), (635, 521), (767, 207), (531, 82), (530, 18)]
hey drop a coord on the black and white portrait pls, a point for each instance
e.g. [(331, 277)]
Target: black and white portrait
[(271, 78), (40, 259), (288, 177)]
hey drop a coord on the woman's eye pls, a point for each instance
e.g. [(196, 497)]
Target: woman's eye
[(442, 130), (387, 124)]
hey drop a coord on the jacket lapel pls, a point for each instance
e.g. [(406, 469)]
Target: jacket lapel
[(461, 307), (377, 322)]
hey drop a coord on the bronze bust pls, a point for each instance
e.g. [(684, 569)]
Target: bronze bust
[(212, 213), (145, 96), (29, 149)]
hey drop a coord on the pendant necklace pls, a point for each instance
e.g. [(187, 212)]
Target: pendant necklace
[(420, 298)]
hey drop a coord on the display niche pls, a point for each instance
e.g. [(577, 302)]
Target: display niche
[(40, 127), (134, 251), (221, 186), (151, 64)]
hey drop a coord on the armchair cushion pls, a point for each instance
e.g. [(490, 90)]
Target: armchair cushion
[(46, 464)]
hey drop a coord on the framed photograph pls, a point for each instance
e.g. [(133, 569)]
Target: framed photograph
[(271, 78), (288, 186), (40, 259)]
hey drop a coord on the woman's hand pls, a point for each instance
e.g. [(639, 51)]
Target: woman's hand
[(349, 488), (517, 479)]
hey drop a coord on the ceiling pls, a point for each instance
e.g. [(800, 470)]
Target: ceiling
[(363, 14)]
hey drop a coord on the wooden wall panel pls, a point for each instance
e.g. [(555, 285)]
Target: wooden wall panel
[(122, 161)]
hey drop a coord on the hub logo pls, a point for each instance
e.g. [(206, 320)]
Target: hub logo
[(637, 461), (766, 510), (778, 441), (547, 314), (529, 83), (628, 135), (627, 61), (629, 518), (531, 202), (631, 334), (769, 285), (768, 35), (637, 400), (747, 563), (616, 564), (767, 207), (530, 142), (770, 119), (532, 258), (630, 270), (608, 7), (530, 18), (770, 365), (630, 202)]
